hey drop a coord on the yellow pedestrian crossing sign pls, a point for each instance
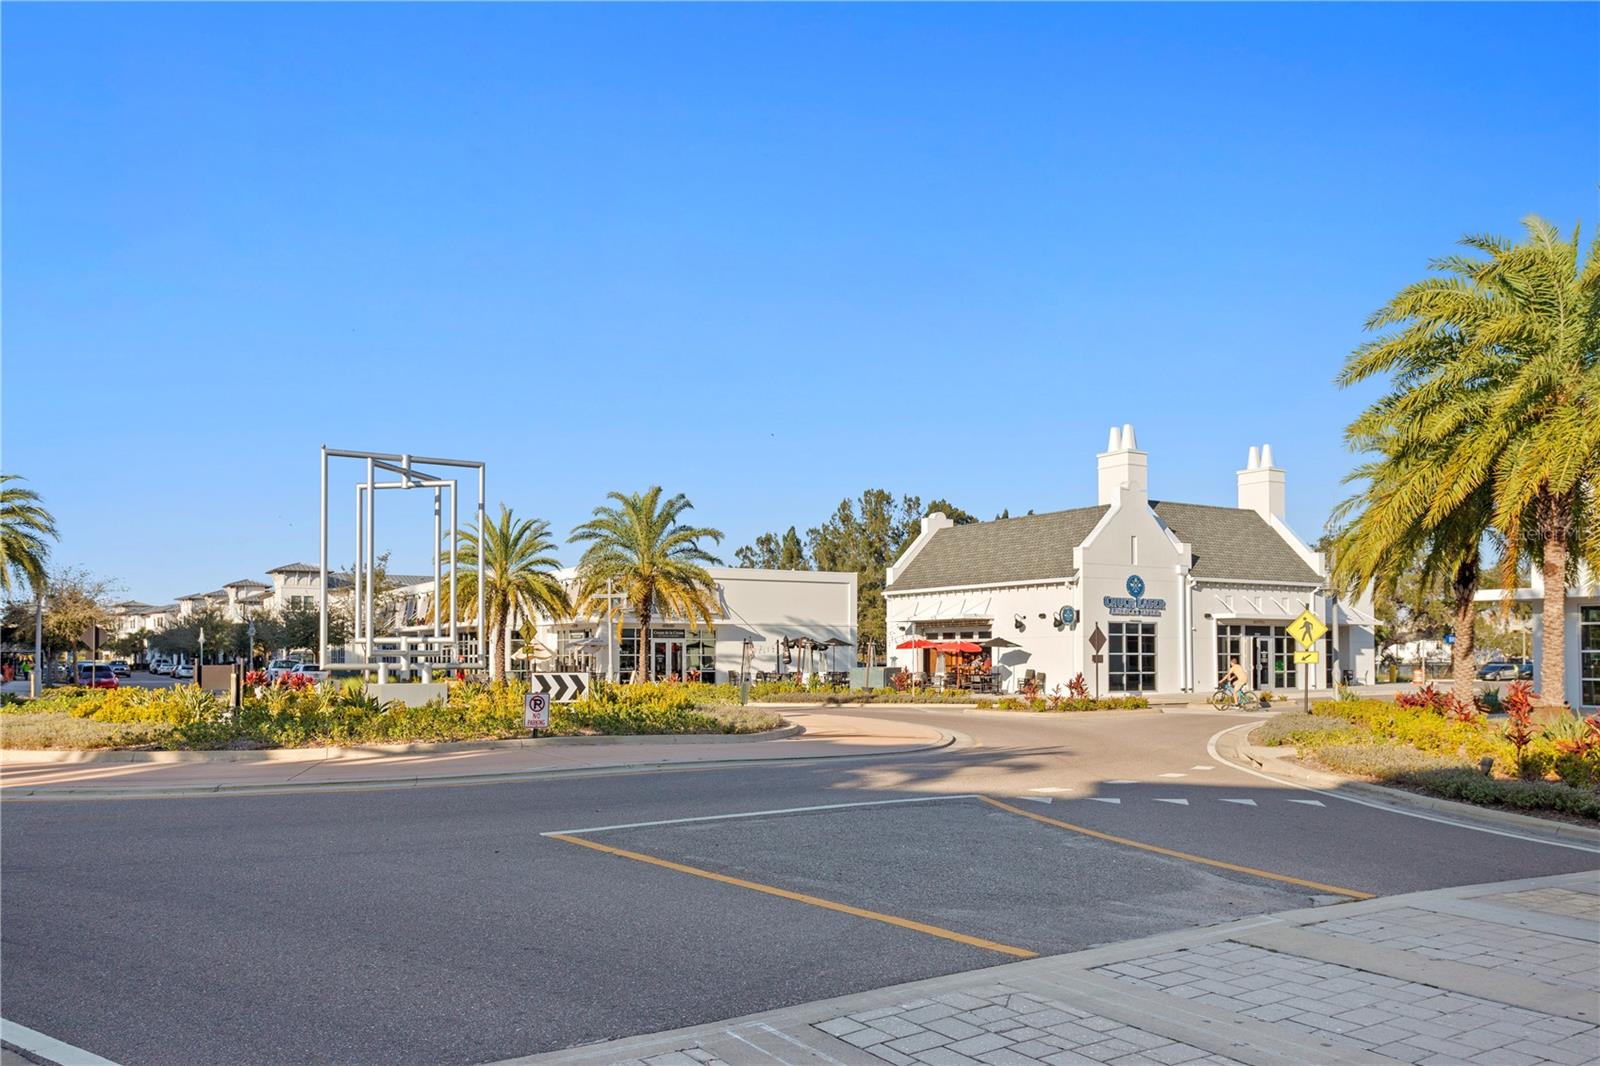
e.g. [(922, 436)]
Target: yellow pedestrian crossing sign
[(1307, 658), (1307, 629)]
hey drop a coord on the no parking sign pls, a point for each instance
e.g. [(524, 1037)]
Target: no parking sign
[(536, 711)]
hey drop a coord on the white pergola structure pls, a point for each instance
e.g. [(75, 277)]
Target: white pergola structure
[(364, 629)]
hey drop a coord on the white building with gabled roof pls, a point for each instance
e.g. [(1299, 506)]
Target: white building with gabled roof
[(1176, 589)]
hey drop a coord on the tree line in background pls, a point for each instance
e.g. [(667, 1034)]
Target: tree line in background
[(1484, 454), (865, 535)]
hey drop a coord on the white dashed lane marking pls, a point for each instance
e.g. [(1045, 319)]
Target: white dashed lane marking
[(1174, 775), (1105, 799), (1180, 802), (1247, 803)]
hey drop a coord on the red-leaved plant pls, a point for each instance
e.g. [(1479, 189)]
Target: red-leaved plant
[(1078, 687), (1518, 702), (1426, 698)]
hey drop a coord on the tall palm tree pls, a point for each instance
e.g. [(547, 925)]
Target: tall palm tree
[(25, 526), (655, 563), (1390, 532), (1500, 354), (519, 578)]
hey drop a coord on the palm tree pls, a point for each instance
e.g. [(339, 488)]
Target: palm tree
[(1391, 532), (1499, 355), (24, 527), (652, 561), (519, 578)]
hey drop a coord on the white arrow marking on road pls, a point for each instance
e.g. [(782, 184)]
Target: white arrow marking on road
[(1183, 803), (1037, 799), (1310, 803), (1106, 799), (1174, 775), (1247, 803), (1052, 788)]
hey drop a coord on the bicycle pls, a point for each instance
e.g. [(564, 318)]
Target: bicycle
[(1226, 699)]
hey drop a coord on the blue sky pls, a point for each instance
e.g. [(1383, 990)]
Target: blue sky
[(767, 256)]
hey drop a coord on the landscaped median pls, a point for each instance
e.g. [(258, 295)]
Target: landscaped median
[(1456, 753), (345, 714), (1060, 702)]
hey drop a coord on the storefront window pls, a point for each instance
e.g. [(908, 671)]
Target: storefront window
[(1131, 656), (1268, 651), (1589, 655), (628, 653), (700, 653)]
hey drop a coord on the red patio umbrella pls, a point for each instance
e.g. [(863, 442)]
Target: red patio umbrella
[(960, 647), (916, 644)]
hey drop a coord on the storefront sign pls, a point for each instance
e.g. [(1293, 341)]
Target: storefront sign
[(1135, 602), (667, 634)]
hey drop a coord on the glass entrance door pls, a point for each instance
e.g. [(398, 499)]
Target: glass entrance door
[(667, 659)]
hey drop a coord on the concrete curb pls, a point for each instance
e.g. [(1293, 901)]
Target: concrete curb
[(1238, 747), (42, 793), (47, 756)]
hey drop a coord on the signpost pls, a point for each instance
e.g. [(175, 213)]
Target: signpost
[(536, 711), (1097, 641), (1307, 629)]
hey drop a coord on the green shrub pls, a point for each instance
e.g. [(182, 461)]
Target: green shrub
[(1305, 729), (1470, 787)]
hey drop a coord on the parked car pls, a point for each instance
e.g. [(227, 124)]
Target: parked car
[(183, 672), (311, 670), (1498, 671), (161, 666), (1525, 670), (120, 668), (279, 667), (96, 675)]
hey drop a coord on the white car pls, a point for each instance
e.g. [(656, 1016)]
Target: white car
[(279, 667), (312, 671), (183, 672), (161, 666)]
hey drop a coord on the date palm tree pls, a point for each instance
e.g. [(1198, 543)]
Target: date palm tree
[(1499, 355), (519, 580), (1389, 531), (25, 526), (655, 563)]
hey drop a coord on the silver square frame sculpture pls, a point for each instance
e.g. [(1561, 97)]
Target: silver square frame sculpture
[(362, 611)]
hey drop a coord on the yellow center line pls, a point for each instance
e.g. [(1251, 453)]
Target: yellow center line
[(1218, 863), (800, 897)]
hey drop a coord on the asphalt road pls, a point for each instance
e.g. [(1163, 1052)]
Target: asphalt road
[(438, 925)]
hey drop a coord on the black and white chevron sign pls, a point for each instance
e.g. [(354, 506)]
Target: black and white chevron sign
[(561, 688)]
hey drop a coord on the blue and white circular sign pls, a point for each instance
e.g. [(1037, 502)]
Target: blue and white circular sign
[(1135, 586)]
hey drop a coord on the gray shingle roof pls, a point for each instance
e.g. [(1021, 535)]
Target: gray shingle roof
[(296, 568), (1229, 542), (1032, 547)]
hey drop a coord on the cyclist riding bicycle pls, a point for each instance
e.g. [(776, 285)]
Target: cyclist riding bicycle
[(1235, 682)]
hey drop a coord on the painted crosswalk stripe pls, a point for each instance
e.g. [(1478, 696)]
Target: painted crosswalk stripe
[(1180, 802), (1122, 782), (1310, 803), (1105, 799), (1202, 767), (1246, 803), (1052, 788), (1174, 775)]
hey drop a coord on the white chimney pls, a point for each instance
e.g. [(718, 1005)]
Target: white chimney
[(1123, 468), (1261, 485)]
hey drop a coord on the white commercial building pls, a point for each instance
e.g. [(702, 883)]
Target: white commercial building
[(1176, 589), (1580, 638), (796, 621)]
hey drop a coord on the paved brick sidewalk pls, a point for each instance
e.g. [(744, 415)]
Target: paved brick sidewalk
[(1490, 975), (823, 736)]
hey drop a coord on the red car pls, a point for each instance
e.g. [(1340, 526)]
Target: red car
[(97, 675)]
